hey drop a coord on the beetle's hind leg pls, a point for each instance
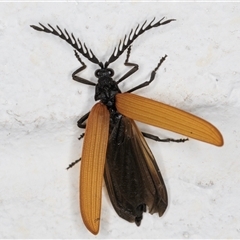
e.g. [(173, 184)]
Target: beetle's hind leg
[(78, 160), (73, 163), (81, 136), (80, 79), (127, 63), (81, 124), (145, 84), (156, 138)]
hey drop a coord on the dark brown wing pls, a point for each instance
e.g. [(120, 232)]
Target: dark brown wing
[(131, 174)]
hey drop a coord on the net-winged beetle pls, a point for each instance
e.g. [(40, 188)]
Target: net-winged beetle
[(113, 145)]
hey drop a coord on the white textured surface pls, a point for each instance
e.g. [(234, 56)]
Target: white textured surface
[(40, 104)]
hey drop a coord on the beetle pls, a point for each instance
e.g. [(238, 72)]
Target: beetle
[(113, 145)]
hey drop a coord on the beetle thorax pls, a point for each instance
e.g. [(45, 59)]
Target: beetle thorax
[(106, 88)]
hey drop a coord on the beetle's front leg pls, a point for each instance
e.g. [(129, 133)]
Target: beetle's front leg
[(80, 79), (127, 63)]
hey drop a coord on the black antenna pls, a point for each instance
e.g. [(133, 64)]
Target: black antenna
[(123, 45), (71, 40)]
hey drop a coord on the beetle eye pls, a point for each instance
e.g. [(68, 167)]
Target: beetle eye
[(110, 72), (97, 73)]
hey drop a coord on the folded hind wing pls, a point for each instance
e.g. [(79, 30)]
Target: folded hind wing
[(131, 175)]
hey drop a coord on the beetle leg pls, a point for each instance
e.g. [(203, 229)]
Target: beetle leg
[(156, 138), (133, 65), (81, 136), (80, 79), (73, 163), (78, 160), (144, 84), (81, 121)]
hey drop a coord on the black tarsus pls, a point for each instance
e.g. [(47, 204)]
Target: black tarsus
[(73, 163), (69, 39), (123, 45), (81, 136)]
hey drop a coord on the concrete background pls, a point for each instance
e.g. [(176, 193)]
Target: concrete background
[(40, 104)]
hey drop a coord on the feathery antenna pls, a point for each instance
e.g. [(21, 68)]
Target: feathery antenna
[(71, 40), (123, 45)]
